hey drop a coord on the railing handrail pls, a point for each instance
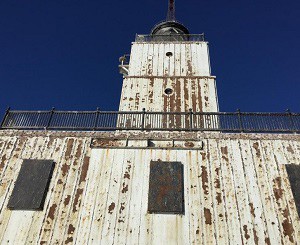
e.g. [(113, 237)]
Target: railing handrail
[(150, 120), (166, 37)]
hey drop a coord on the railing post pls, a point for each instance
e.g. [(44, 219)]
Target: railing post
[(143, 118), (4, 118), (97, 118), (191, 119), (240, 120), (288, 111), (50, 118)]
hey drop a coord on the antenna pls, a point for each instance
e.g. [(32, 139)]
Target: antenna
[(171, 11)]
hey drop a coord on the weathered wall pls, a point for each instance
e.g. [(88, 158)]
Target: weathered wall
[(187, 73), (236, 189), (196, 93), (189, 59)]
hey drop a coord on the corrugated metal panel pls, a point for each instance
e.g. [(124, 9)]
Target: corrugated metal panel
[(236, 190)]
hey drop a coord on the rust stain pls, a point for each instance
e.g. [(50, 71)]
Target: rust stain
[(111, 207), (76, 200), (252, 209), (194, 97), (65, 168), (246, 232), (203, 155), (204, 176), (256, 147), (255, 236), (69, 148), (3, 162), (219, 198), (78, 152), (290, 149), (126, 175), (207, 215), (288, 229), (151, 86), (71, 229), (122, 207), (69, 240), (200, 100), (52, 211), (224, 151), (85, 168), (267, 241), (67, 200), (278, 192), (125, 188), (189, 144)]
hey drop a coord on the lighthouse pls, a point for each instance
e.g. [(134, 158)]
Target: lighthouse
[(166, 168)]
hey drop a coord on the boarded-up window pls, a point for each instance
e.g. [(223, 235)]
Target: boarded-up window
[(31, 185), (166, 193), (294, 177)]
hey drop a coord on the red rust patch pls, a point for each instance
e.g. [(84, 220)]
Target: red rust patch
[(219, 198), (52, 211), (71, 229), (85, 168), (290, 149), (207, 215), (224, 151), (246, 232), (111, 207), (76, 200), (67, 200), (256, 147), (204, 177), (267, 241), (122, 207), (126, 175), (252, 209), (69, 148), (288, 229), (255, 236), (278, 192), (189, 144), (125, 188)]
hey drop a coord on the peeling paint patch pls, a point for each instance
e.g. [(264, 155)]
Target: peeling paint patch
[(111, 207)]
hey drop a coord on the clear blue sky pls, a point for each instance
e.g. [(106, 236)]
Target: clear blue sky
[(64, 53)]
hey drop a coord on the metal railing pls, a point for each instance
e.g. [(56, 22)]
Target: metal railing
[(170, 38), (152, 121)]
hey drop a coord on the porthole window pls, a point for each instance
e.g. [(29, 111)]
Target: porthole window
[(169, 54), (168, 91)]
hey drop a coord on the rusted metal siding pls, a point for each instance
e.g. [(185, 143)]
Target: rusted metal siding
[(186, 72), (198, 94), (188, 59), (236, 190)]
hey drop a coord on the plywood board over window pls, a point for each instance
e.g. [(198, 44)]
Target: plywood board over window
[(31, 186), (166, 193)]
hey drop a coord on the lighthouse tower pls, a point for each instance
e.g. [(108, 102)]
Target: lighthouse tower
[(169, 71), (156, 171)]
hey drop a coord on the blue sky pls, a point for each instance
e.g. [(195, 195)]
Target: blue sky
[(64, 53)]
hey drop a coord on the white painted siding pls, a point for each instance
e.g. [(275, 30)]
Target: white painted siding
[(236, 190)]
